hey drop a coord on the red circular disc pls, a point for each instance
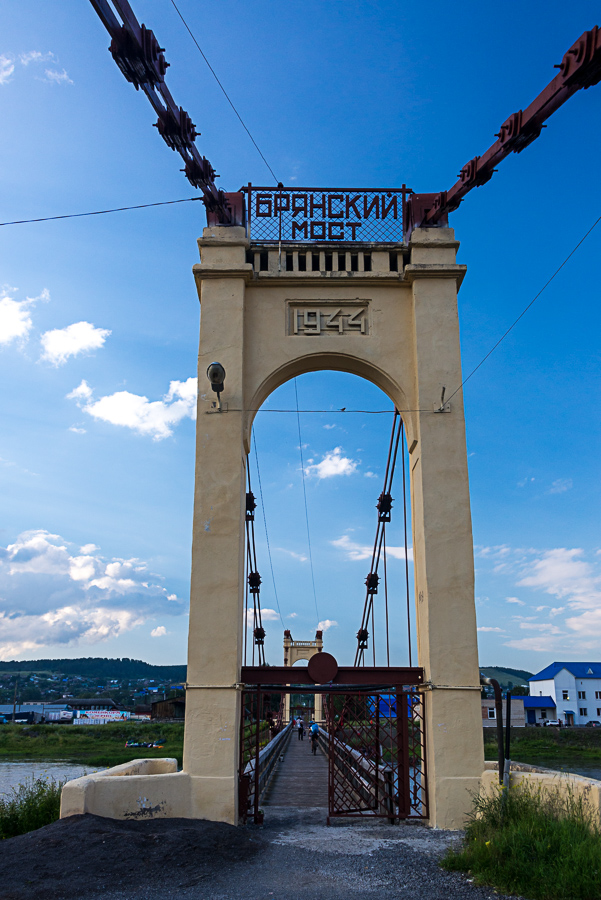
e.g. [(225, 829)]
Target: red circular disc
[(322, 668)]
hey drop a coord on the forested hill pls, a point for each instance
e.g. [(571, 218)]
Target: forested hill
[(505, 676), (100, 667)]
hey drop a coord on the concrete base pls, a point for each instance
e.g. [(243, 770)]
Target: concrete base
[(548, 781), (148, 789)]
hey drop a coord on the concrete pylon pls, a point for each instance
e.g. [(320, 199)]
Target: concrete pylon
[(398, 329)]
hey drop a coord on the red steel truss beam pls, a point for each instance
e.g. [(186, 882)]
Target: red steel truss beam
[(136, 51), (366, 675), (579, 68)]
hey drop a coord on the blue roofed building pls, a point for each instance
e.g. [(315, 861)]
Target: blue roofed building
[(574, 688), (539, 709)]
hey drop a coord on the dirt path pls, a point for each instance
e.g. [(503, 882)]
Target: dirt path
[(295, 855)]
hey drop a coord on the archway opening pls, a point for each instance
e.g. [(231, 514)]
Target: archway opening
[(317, 475)]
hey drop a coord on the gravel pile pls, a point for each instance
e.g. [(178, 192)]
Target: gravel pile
[(294, 855)]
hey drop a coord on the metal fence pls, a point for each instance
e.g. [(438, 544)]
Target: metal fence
[(377, 759), (325, 215)]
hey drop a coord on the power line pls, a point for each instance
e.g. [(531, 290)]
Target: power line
[(332, 412), (101, 212), (300, 447), (225, 93), (523, 313), (266, 535)]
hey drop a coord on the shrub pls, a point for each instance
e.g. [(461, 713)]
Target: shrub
[(31, 805), (545, 845)]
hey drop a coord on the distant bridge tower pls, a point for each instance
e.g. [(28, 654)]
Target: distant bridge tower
[(295, 650)]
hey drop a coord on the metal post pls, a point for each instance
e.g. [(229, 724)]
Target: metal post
[(377, 753), (257, 751), (330, 702), (507, 766), (403, 753)]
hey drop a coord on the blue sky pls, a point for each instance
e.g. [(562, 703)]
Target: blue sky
[(99, 318)]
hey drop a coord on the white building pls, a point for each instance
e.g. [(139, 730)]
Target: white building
[(574, 687)]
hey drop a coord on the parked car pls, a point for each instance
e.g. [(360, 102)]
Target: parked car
[(557, 722), (593, 724)]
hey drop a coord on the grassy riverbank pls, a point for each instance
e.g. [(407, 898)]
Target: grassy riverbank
[(540, 845), (31, 805), (94, 745), (553, 745)]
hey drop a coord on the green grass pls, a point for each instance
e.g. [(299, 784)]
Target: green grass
[(545, 846), (30, 805), (561, 745), (94, 745)]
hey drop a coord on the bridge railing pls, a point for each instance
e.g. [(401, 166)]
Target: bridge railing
[(258, 771), (365, 784)]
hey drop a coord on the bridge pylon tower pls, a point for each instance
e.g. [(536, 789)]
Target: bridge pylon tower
[(295, 651), (315, 294)]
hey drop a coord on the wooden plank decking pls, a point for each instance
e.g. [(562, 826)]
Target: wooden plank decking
[(300, 779)]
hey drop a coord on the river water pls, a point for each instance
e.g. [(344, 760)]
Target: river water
[(588, 769), (15, 773)]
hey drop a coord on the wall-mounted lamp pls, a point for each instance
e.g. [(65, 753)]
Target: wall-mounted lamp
[(216, 375)]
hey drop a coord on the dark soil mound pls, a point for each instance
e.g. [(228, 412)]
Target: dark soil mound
[(88, 854)]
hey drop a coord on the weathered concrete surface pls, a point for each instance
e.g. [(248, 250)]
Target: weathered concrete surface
[(547, 781), (294, 855), (408, 345)]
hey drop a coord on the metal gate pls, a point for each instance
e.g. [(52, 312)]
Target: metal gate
[(376, 754), (374, 740)]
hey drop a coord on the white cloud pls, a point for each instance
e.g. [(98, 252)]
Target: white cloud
[(155, 418), (565, 574), (489, 628), (329, 427), (267, 615), (356, 551), (514, 600), (81, 393), (88, 548), (15, 316), (370, 474), (55, 77), (159, 631), (541, 626), (560, 486), (7, 67), (498, 552), (81, 337), (292, 616), (562, 573), (54, 595), (35, 56), (333, 463), (77, 430), (326, 624), (299, 556)]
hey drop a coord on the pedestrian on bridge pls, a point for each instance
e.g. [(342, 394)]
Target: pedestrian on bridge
[(314, 732), (301, 729)]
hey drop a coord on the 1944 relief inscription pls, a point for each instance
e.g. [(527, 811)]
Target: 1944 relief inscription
[(328, 317)]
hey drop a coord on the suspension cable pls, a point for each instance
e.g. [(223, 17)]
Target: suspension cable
[(277, 602), (386, 603), (253, 578), (404, 444), (300, 446), (225, 93), (384, 507)]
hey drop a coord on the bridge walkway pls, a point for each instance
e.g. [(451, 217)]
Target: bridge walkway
[(300, 779)]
